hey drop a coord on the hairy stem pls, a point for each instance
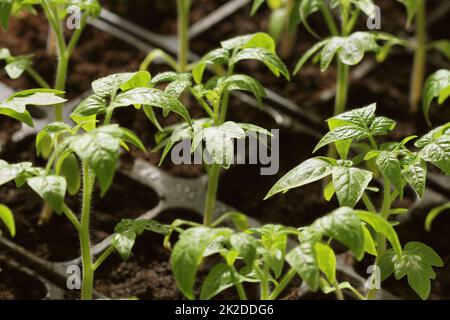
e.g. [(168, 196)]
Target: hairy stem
[(86, 256), (211, 194), (183, 34), (381, 238), (418, 72)]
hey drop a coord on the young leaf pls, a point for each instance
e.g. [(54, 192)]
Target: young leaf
[(382, 226), (434, 85), (152, 97), (390, 167), (438, 153), (416, 175), (219, 141), (188, 253), (309, 171), (17, 66), (9, 172), (50, 188), (351, 131), (344, 226), (311, 52), (15, 106), (108, 86), (220, 278), (326, 260), (350, 184), (246, 83), (217, 56), (99, 148), (92, 105), (70, 170), (126, 232), (246, 245), (416, 262), (369, 244), (303, 260), (265, 56), (8, 219), (411, 8)]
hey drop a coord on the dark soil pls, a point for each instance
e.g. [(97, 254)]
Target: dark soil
[(18, 285)]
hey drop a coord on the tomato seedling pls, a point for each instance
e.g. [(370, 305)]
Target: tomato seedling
[(283, 21), (416, 10), (213, 96), (56, 13), (399, 166), (273, 255), (349, 47), (97, 149)]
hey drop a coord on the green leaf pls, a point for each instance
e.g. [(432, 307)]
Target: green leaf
[(99, 148), (416, 175), (126, 231), (311, 52), (434, 85), (434, 213), (411, 8), (380, 225), (381, 126), (303, 260), (264, 55), (17, 66), (46, 137), (92, 105), (217, 56), (220, 141), (360, 117), (246, 245), (9, 172), (350, 184), (220, 278), (108, 86), (274, 241), (307, 172), (416, 262), (187, 255), (326, 260), (369, 244), (246, 83), (438, 153), (7, 217), (347, 132), (344, 226), (15, 106), (152, 97), (255, 40), (343, 146), (390, 167), (70, 170), (50, 188)]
